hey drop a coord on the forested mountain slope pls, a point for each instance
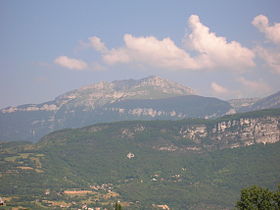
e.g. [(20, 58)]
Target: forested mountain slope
[(187, 164)]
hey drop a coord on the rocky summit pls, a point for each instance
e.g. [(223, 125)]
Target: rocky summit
[(96, 95)]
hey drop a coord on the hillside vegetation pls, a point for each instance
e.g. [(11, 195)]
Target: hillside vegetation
[(143, 164)]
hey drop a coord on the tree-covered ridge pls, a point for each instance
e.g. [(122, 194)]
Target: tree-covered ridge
[(189, 134)]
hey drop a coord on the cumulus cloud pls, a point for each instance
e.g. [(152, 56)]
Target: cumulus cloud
[(246, 88), (97, 44), (211, 51), (150, 51), (254, 87), (71, 63), (218, 89), (272, 33), (271, 57), (216, 51)]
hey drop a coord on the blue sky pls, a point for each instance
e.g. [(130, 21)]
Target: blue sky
[(226, 49)]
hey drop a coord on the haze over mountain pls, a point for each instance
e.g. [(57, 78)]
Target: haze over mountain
[(148, 98), (269, 102), (241, 103)]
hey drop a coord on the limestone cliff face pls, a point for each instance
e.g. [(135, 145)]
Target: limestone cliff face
[(234, 133), (206, 135), (248, 131)]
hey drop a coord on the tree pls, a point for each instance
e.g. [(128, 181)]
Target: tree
[(118, 206), (256, 197)]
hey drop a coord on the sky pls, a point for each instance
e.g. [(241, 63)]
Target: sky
[(225, 49)]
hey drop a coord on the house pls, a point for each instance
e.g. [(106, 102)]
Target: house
[(130, 155)]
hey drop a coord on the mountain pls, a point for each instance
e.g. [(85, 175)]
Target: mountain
[(145, 99), (252, 104), (269, 102), (242, 103), (185, 164)]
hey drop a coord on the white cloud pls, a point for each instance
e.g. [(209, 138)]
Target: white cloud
[(97, 44), (150, 51), (272, 33), (271, 57), (212, 51), (246, 88), (216, 51), (254, 87), (218, 89), (71, 63)]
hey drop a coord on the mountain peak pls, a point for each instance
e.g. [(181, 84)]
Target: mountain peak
[(101, 93), (154, 80), (153, 77), (166, 85), (132, 87)]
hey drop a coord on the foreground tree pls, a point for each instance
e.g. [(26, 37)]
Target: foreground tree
[(118, 206), (256, 197)]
